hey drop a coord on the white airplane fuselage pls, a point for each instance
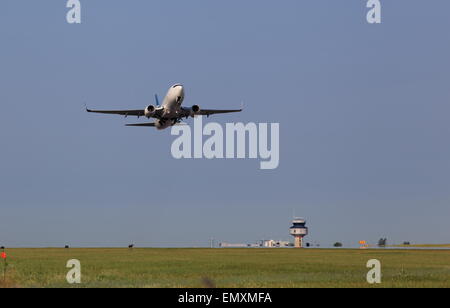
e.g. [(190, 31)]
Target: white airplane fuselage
[(171, 106)]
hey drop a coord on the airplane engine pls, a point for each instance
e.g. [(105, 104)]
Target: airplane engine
[(150, 111), (194, 110)]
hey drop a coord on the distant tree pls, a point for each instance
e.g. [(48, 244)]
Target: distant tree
[(308, 245), (66, 247), (406, 243), (382, 242), (338, 245), (131, 246)]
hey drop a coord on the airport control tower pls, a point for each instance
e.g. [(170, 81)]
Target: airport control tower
[(299, 231)]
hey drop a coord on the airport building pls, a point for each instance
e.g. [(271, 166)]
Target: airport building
[(273, 244), (298, 231)]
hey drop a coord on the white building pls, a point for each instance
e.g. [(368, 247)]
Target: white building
[(272, 244)]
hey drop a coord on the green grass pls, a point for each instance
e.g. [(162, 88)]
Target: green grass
[(423, 246), (227, 267)]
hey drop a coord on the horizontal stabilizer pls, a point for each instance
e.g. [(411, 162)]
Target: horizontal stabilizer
[(142, 125)]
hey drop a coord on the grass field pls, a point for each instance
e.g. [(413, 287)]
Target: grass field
[(227, 267), (422, 246)]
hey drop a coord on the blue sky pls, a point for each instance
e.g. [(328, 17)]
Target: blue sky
[(363, 112)]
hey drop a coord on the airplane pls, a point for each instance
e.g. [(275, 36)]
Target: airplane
[(168, 114)]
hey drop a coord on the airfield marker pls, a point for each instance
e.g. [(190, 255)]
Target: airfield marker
[(363, 244), (3, 256)]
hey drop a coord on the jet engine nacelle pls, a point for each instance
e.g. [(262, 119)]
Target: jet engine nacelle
[(150, 111), (194, 110)]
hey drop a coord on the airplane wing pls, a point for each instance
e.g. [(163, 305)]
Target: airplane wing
[(137, 113), (208, 112)]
